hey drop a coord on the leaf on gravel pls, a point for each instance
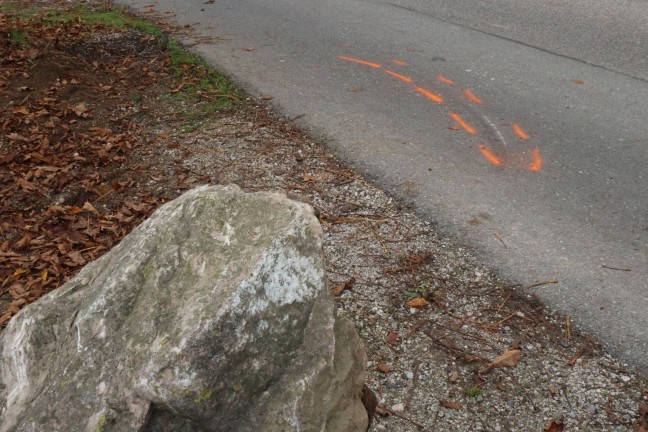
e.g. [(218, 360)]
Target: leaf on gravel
[(509, 358), (338, 290), (450, 405), (643, 418), (554, 426), (551, 390), (417, 302), (393, 338), (478, 379), (454, 377), (383, 367)]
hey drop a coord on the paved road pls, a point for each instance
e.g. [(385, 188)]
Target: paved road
[(541, 166)]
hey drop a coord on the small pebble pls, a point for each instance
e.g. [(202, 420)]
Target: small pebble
[(441, 414), (625, 378), (408, 375), (399, 407)]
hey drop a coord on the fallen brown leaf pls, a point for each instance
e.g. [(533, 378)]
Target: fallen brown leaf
[(454, 377), (509, 358), (577, 81), (554, 426), (28, 186), (348, 285), (383, 367), (643, 418), (450, 405), (417, 302), (81, 110), (89, 207), (478, 379), (393, 338), (551, 390), (21, 110)]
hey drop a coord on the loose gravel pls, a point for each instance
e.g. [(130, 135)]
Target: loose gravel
[(431, 315)]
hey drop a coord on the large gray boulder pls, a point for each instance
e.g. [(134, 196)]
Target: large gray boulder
[(210, 316)]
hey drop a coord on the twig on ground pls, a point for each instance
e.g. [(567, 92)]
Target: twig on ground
[(416, 328), (456, 349), (394, 413), (583, 348), (414, 384), (295, 118), (499, 308), (353, 299), (546, 282), (616, 268), (497, 234), (614, 416)]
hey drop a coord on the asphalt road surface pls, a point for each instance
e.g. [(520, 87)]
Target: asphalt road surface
[(519, 127)]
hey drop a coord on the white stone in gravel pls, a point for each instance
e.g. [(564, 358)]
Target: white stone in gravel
[(625, 378), (399, 407), (409, 375)]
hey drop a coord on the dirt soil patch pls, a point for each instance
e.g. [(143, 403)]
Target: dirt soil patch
[(104, 118)]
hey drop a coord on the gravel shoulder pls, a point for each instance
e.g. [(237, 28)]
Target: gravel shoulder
[(451, 346)]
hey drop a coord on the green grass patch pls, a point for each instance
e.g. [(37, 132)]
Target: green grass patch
[(200, 82), (17, 37), (188, 128), (116, 18), (474, 392)]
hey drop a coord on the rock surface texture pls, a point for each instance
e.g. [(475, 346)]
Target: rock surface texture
[(210, 316)]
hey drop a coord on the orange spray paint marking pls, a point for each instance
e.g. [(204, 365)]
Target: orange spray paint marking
[(518, 130), (445, 80), (428, 94), (355, 60), (463, 124), (399, 76), (537, 163), (399, 63), (489, 155), (472, 97)]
